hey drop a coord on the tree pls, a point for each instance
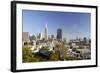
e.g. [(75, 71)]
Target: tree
[(54, 56), (27, 55)]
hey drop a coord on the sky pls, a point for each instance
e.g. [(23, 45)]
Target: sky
[(73, 24)]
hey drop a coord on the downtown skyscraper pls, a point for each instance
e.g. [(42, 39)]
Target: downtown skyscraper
[(46, 32), (59, 34)]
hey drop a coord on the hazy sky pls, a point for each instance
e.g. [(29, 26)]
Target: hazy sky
[(73, 24)]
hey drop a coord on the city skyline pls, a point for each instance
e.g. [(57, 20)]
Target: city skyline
[(72, 24)]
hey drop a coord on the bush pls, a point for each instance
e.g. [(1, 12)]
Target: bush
[(44, 48), (72, 58)]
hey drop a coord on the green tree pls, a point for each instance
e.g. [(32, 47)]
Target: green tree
[(27, 55), (54, 56)]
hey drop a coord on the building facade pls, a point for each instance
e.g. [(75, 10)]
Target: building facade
[(25, 37), (59, 34), (46, 32)]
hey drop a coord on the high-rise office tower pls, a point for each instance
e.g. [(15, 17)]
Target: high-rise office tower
[(40, 36), (59, 34), (46, 32), (52, 36)]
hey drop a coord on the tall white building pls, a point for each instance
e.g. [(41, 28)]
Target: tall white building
[(46, 32)]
